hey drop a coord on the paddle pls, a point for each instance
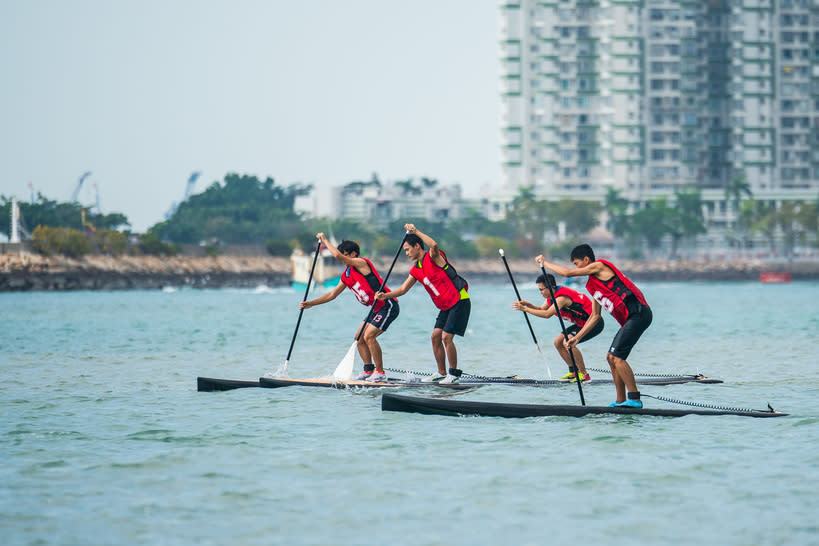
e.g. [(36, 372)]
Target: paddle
[(283, 369), (529, 324), (550, 280), (344, 370)]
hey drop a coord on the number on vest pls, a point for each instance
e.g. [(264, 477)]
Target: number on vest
[(431, 286), (360, 294), (603, 301)]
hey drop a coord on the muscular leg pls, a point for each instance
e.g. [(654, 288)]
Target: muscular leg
[(438, 350), (564, 354), (623, 376), (374, 348), (363, 350), (451, 351)]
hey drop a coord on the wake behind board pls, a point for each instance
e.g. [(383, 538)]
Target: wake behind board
[(210, 384), (438, 406), (277, 382)]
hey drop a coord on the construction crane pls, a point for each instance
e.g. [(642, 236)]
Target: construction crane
[(191, 183), (97, 194), (76, 192), (188, 190)]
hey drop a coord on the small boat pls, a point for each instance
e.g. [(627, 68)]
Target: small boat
[(325, 276), (209, 384), (441, 406), (775, 277)]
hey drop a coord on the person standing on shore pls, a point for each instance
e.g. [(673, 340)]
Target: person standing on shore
[(615, 292), (448, 291), (574, 307), (361, 277)]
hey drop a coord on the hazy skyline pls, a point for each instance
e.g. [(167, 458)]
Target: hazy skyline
[(318, 92)]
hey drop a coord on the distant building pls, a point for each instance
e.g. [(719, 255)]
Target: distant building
[(650, 97), (399, 200)]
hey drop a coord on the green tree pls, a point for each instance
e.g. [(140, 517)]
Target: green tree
[(651, 223), (48, 240), (241, 210), (617, 208), (685, 219), (734, 191)]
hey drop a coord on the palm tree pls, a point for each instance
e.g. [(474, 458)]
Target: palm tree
[(734, 191)]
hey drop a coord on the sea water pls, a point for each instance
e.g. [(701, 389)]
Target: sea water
[(104, 439)]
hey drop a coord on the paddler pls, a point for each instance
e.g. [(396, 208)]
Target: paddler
[(611, 289), (574, 307), (363, 280), (448, 291)]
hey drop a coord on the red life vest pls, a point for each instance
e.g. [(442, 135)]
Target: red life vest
[(578, 311), (613, 293), (440, 282), (364, 286)]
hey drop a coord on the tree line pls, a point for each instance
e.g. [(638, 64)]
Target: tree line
[(242, 209)]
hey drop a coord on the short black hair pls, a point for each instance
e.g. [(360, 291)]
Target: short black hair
[(414, 240), (582, 251), (349, 246), (546, 280)]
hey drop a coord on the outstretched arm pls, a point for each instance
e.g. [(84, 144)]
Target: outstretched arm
[(591, 269), (324, 298), (400, 291), (542, 311)]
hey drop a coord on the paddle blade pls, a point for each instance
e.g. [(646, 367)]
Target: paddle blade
[(344, 370)]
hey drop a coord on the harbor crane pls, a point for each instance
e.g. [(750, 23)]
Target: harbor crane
[(77, 189)]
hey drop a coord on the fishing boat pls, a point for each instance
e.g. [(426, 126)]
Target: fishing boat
[(775, 277), (325, 276), (441, 406), (209, 384)]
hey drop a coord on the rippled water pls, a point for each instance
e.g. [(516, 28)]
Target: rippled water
[(106, 441)]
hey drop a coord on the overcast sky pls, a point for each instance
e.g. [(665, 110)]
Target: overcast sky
[(142, 93)]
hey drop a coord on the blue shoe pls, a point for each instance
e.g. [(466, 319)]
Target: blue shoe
[(613, 404), (629, 404)]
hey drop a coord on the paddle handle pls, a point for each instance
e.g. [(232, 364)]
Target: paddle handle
[(383, 284), (306, 292), (511, 278), (565, 334)]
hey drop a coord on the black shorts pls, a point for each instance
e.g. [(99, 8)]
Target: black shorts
[(455, 319), (630, 332), (384, 317), (574, 328)]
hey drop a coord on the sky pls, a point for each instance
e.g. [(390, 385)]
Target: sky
[(142, 93)]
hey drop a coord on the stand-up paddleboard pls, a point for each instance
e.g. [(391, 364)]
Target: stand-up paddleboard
[(440, 406), (277, 382), (209, 384)]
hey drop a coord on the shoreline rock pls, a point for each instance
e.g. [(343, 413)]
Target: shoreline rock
[(22, 272)]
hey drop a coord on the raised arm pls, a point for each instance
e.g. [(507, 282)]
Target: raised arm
[(434, 251), (356, 262)]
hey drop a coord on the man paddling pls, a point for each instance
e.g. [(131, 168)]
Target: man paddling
[(574, 307), (448, 291), (613, 290), (361, 277)]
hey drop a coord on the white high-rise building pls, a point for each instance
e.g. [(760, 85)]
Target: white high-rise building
[(651, 96)]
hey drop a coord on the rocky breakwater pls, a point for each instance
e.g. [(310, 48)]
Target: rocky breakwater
[(26, 272)]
